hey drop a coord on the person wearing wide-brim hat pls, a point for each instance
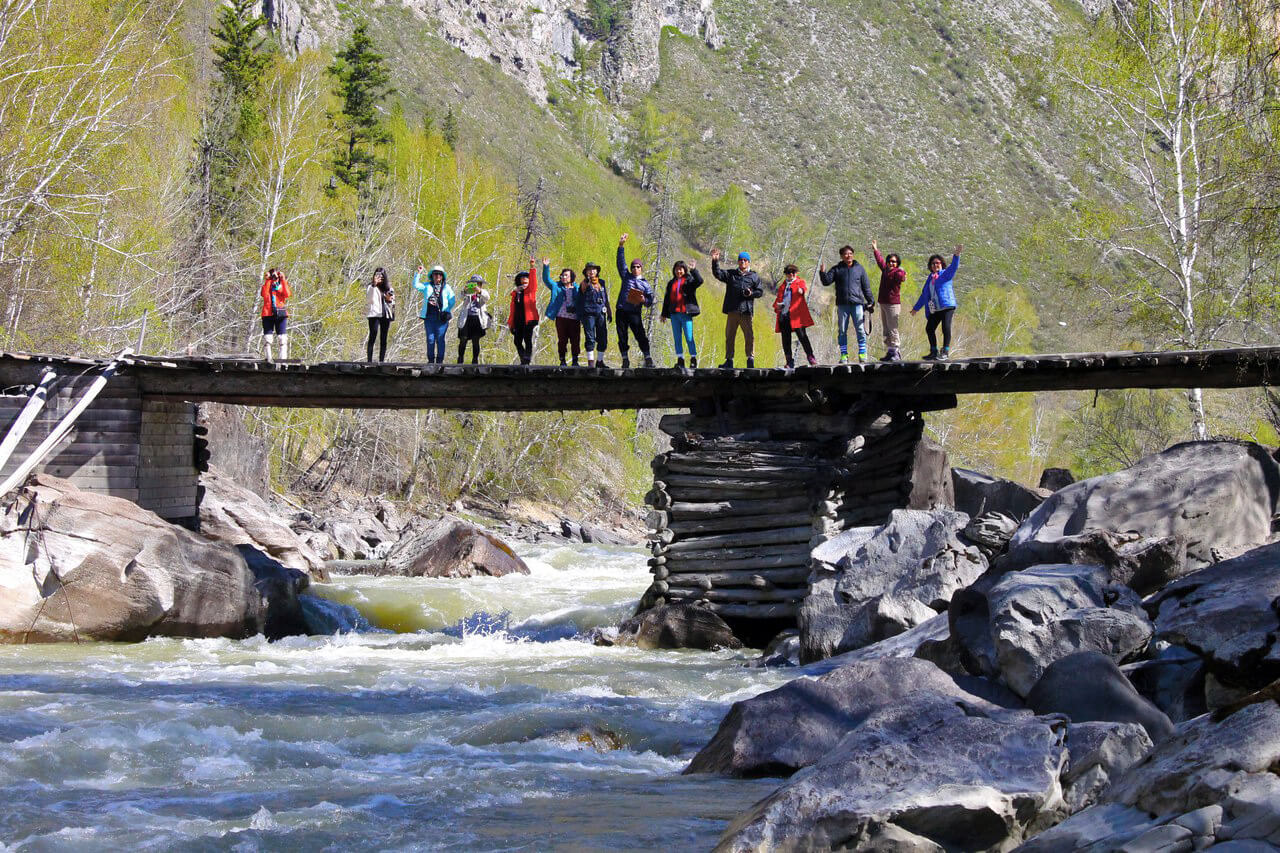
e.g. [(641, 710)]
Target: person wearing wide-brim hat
[(594, 313), (473, 317)]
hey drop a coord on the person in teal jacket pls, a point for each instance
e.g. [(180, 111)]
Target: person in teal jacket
[(562, 309), (437, 309), (938, 299)]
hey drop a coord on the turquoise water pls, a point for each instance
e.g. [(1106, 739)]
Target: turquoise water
[(497, 731)]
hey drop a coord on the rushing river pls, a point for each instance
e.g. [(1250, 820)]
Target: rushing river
[(450, 730)]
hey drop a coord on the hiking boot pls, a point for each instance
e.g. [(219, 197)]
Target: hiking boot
[(693, 361), (626, 362), (751, 362), (862, 358), (576, 364), (728, 364), (648, 362), (562, 364), (944, 354), (844, 358), (601, 365), (932, 356), (680, 363)]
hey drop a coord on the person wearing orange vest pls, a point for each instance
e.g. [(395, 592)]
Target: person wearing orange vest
[(522, 314), (275, 316)]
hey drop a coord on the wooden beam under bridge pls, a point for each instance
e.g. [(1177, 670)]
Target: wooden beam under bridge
[(545, 388)]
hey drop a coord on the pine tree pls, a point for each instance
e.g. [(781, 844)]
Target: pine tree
[(241, 59), (449, 129), (363, 82)]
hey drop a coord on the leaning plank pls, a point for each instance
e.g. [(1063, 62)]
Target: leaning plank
[(30, 410)]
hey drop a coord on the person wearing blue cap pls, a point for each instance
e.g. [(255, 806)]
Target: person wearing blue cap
[(741, 288)]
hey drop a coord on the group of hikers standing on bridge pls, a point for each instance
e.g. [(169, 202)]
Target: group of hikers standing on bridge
[(583, 310)]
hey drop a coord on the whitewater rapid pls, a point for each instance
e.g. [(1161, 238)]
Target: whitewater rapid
[(468, 717)]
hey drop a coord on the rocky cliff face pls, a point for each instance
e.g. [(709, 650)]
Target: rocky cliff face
[(530, 40)]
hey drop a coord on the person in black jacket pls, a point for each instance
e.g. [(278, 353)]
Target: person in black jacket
[(680, 306), (853, 299), (741, 288)]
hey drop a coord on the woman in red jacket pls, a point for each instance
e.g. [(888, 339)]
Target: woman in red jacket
[(892, 276), (793, 314), (275, 316), (522, 315)]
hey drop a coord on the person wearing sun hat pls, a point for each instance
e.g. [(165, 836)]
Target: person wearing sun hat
[(594, 313)]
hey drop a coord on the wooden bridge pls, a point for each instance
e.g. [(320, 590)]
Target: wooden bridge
[(764, 464)]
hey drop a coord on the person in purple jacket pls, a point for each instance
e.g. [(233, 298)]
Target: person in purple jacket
[(938, 299)]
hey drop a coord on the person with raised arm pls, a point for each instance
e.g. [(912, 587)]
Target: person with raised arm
[(438, 300), (522, 314), (473, 317), (680, 306), (938, 299), (793, 314), (742, 287), (853, 300), (380, 310), (275, 315), (594, 312), (562, 308), (634, 295), (889, 300)]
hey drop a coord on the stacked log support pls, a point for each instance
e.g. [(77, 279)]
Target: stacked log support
[(747, 491)]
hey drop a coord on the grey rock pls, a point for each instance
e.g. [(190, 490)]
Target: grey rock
[(1253, 809), (233, 514), (942, 776), (1215, 494), (783, 730), (1053, 479), (977, 493), (1173, 681), (991, 532), (233, 450), (576, 531), (358, 535), (930, 483), (1248, 846), (1202, 822), (1088, 686), (904, 645), (783, 650), (1099, 752), (904, 574), (452, 548), (1045, 613), (1098, 829), (1169, 838), (677, 626), (103, 568), (1225, 613), (1145, 564)]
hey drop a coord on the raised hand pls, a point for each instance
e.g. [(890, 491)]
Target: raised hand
[(622, 239), (874, 247), (822, 267), (546, 262), (693, 265), (420, 268), (715, 254), (957, 249)]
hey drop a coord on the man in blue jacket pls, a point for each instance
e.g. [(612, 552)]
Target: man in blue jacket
[(634, 295), (853, 299)]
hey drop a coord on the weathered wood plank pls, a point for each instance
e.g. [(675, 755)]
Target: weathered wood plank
[(764, 579)]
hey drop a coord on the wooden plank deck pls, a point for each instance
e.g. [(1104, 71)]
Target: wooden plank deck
[(545, 388)]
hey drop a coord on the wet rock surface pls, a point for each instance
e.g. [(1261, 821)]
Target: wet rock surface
[(676, 626), (452, 548)]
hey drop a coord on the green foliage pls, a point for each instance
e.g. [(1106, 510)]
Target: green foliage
[(1120, 427), (449, 129), (363, 82), (653, 138), (711, 221), (604, 15)]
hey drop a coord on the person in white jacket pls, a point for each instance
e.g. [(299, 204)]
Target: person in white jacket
[(380, 309), (473, 317)]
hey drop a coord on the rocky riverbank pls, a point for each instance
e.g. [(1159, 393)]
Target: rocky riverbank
[(1100, 675)]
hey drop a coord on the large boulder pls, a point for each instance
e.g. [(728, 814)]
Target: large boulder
[(930, 484), (976, 493), (1226, 613), (1099, 752), (783, 730), (926, 774), (1216, 495), (235, 515), (1144, 563), (677, 626), (1019, 627), (1173, 680), (1089, 687), (359, 535), (452, 548), (903, 574), (82, 566)]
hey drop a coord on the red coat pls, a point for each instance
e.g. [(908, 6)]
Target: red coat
[(282, 295), (799, 311), (529, 302)]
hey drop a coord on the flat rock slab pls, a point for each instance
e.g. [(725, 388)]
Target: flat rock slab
[(924, 775), (794, 726), (1226, 613), (1217, 495)]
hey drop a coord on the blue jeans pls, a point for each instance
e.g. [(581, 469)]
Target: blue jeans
[(435, 329), (682, 330), (845, 313)]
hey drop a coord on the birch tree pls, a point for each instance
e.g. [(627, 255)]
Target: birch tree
[(1157, 78)]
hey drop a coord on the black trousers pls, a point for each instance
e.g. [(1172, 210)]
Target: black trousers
[(633, 322), (524, 341), (378, 328), (470, 331), (942, 317), (802, 335)]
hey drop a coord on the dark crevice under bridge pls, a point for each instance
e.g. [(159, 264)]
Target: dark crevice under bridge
[(764, 464)]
